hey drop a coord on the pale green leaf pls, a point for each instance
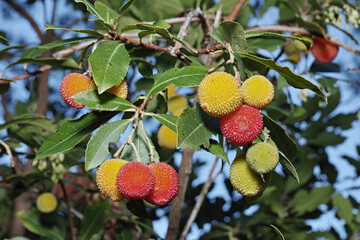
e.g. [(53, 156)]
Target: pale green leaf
[(91, 9), (344, 207), (86, 31), (94, 219), (125, 6), (217, 150), (108, 15), (60, 43), (289, 167), (166, 119), (233, 33)]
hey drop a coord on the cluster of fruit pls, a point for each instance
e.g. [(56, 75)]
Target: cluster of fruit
[(238, 107), (157, 183), (74, 83)]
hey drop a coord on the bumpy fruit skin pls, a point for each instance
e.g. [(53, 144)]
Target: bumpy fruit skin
[(323, 50), (135, 180), (219, 94), (176, 102), (46, 202), (245, 180), (167, 138), (258, 91), (72, 84), (262, 157), (120, 90), (106, 178), (242, 126), (166, 186)]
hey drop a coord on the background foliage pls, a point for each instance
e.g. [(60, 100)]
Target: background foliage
[(46, 146)]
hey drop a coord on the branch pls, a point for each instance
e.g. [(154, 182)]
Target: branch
[(235, 11), (279, 28), (177, 204), (71, 221), (8, 151), (199, 202), (28, 17)]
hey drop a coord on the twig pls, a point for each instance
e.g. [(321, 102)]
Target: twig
[(353, 69), (71, 221), (199, 202), (235, 11), (183, 30), (343, 45), (32, 22), (279, 28), (8, 151), (53, 12)]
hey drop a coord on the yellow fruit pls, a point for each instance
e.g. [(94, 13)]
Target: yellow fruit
[(262, 157), (166, 137), (106, 178), (176, 102), (245, 180), (46, 202), (171, 90), (120, 90), (258, 91), (219, 94)]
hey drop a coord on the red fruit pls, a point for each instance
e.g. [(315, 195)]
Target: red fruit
[(166, 186), (135, 180), (242, 126), (323, 50), (72, 84)]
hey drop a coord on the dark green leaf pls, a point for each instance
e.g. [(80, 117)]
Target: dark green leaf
[(292, 78), (72, 132), (4, 41), (110, 63), (321, 67), (281, 236), (344, 207), (31, 222), (60, 43), (189, 76), (97, 149), (137, 207), (86, 31), (166, 119), (344, 121), (191, 130), (94, 219), (54, 62), (279, 136), (102, 102), (2, 51), (216, 149), (31, 119), (149, 29), (324, 139)]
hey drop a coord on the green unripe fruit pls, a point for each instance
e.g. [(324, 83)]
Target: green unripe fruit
[(262, 157), (245, 180)]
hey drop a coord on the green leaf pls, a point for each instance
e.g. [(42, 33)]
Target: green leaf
[(344, 121), (321, 67), (4, 41), (149, 29), (279, 136), (60, 43), (191, 130), (278, 232), (91, 9), (110, 63), (86, 31), (324, 139), (142, 144), (2, 51), (233, 33), (97, 149), (94, 219), (71, 133), (289, 167), (291, 78), (166, 119), (54, 62), (253, 34), (316, 197), (137, 207), (31, 119), (344, 207), (216, 149), (102, 102), (189, 76), (126, 5), (31, 222), (107, 14)]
